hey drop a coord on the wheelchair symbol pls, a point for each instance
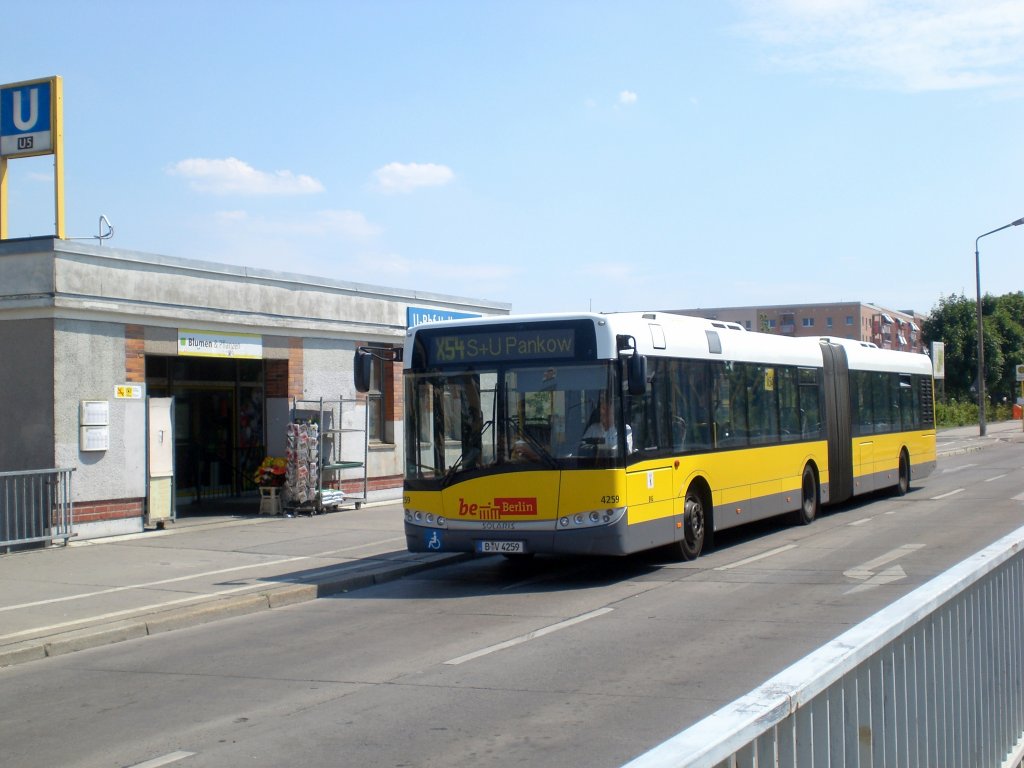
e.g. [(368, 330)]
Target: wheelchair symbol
[(434, 542)]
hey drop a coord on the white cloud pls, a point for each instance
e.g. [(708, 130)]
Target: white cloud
[(232, 176), (405, 177), (910, 45), (627, 97)]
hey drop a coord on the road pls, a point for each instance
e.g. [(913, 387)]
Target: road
[(489, 663)]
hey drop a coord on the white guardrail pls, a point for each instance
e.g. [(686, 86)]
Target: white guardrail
[(932, 681)]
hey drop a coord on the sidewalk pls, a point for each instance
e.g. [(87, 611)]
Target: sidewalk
[(957, 440), (90, 593), (199, 569)]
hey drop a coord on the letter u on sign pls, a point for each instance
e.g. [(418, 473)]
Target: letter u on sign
[(18, 110)]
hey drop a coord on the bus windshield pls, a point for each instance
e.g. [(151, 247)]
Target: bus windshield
[(467, 422)]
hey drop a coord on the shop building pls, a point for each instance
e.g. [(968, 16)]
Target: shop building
[(90, 335)]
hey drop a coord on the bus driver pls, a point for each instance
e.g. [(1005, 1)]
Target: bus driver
[(603, 434)]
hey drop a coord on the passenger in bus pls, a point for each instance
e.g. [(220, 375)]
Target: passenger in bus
[(521, 450), (602, 433)]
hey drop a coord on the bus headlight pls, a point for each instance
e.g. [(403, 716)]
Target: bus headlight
[(425, 519), (592, 519)]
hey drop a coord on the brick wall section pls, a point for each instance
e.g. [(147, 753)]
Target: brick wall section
[(295, 372), (387, 482), (134, 354), (393, 372), (276, 378), (111, 509)]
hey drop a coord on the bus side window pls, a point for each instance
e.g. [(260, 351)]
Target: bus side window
[(730, 397), (908, 418), (882, 401), (764, 406), (810, 406), (696, 409), (789, 409)]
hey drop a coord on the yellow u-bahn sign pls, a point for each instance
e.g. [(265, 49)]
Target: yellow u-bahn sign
[(32, 123)]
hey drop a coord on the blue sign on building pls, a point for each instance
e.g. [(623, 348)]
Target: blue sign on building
[(26, 119), (420, 315)]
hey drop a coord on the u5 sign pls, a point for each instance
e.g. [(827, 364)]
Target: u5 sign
[(27, 113)]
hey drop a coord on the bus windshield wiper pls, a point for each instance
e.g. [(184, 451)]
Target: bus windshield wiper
[(536, 445), (453, 470)]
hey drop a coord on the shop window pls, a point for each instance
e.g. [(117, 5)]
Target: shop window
[(380, 401), (376, 428)]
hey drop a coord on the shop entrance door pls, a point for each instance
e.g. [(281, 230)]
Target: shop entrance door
[(218, 426), (203, 442)]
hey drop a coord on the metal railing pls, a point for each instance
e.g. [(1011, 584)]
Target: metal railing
[(935, 679), (35, 506)]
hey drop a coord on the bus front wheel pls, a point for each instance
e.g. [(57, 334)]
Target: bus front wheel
[(694, 522)]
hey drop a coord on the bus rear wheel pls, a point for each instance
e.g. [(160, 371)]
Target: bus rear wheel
[(903, 483), (694, 522), (809, 497)]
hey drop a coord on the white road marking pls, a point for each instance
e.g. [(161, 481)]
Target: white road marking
[(755, 558), (860, 522), (167, 759), (529, 636), (947, 495), (866, 571), (951, 470), (889, 575), (997, 477)]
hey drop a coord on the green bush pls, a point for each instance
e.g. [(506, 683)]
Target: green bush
[(956, 414), (960, 414)]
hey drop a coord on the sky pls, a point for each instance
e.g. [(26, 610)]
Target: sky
[(555, 156)]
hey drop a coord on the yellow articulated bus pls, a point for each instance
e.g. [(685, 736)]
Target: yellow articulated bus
[(614, 433)]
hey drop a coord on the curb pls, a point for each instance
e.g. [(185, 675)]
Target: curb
[(213, 610)]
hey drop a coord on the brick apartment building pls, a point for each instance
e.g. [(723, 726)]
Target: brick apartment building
[(886, 328)]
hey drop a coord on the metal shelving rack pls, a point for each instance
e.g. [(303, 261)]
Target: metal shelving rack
[(335, 456)]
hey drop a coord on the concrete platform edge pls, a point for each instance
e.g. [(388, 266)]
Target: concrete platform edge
[(199, 613)]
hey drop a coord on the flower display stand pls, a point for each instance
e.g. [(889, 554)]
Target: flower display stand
[(270, 500)]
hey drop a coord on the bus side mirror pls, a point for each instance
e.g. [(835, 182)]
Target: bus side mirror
[(362, 369), (636, 374)]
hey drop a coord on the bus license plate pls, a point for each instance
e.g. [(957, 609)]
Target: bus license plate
[(502, 547)]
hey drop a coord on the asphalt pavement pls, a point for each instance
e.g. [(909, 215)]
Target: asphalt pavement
[(199, 569)]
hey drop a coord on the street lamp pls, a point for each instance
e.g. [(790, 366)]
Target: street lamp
[(981, 338)]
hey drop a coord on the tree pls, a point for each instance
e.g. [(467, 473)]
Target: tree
[(1008, 321), (954, 322)]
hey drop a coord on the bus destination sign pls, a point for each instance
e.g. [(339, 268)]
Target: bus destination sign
[(515, 344)]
